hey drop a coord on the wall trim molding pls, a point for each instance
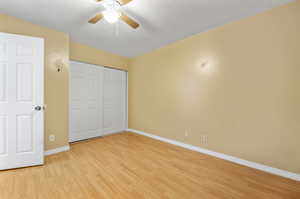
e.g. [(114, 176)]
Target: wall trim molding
[(57, 150), (268, 169)]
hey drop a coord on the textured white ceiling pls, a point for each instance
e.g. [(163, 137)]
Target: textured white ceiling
[(162, 21)]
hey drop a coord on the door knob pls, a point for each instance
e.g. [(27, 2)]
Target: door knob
[(38, 108)]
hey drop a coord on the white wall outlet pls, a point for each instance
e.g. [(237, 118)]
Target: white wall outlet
[(52, 138), (206, 139), (186, 133), (203, 139)]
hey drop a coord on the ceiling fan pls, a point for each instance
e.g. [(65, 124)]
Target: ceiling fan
[(113, 13)]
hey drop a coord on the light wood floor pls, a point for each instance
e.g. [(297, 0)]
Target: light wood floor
[(130, 166)]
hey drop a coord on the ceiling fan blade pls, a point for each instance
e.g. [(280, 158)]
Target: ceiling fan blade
[(96, 18), (129, 21), (99, 0), (123, 2)]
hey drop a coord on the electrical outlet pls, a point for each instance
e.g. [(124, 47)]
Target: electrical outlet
[(203, 139), (186, 133), (52, 138), (206, 139)]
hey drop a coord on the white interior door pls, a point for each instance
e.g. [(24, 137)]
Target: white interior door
[(21, 101), (98, 101)]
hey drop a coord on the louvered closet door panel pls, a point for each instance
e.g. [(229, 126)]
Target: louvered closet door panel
[(114, 104)]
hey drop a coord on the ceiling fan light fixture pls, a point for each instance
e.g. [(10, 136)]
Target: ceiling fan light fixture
[(111, 15)]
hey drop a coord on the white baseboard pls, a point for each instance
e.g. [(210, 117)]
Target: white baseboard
[(57, 150), (275, 171)]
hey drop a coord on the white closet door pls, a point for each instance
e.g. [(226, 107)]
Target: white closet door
[(115, 101), (86, 101), (98, 101)]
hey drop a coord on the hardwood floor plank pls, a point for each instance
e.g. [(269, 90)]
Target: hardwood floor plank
[(129, 166)]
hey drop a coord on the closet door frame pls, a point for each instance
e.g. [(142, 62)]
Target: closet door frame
[(70, 99)]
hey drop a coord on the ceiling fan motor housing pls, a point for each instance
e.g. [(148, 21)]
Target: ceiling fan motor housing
[(111, 4)]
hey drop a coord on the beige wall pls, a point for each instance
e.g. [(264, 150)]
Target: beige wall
[(238, 84), (79, 52), (56, 84), (57, 46)]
